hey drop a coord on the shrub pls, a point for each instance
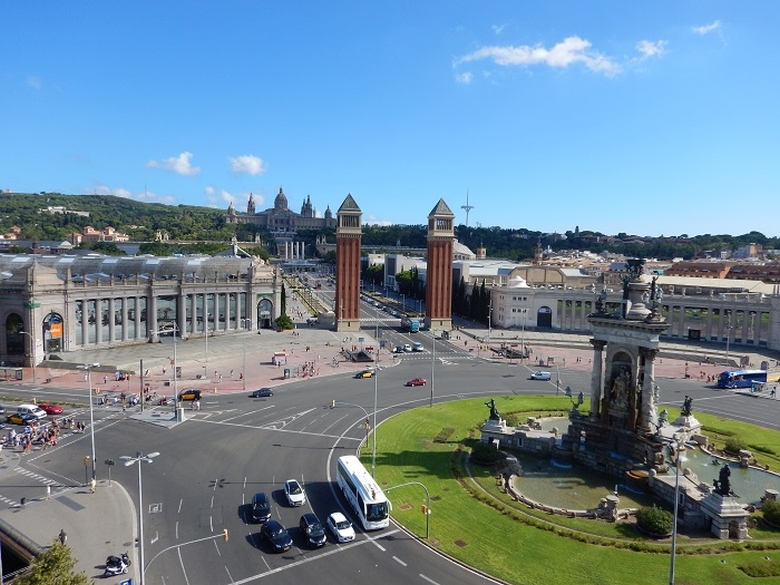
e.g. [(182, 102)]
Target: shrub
[(771, 510), (735, 444), (654, 521), (284, 322), (485, 454)]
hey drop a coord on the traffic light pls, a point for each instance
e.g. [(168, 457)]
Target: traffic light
[(225, 534)]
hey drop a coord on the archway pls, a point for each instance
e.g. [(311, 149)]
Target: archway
[(52, 333), (544, 317), (264, 314), (14, 339)]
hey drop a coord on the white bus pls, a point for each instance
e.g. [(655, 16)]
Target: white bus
[(363, 493)]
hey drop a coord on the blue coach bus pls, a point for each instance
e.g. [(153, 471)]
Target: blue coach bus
[(741, 378)]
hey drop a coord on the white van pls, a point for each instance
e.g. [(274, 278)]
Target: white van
[(31, 409), (541, 376)]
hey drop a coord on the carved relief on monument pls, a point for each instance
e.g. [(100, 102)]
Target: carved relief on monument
[(621, 387)]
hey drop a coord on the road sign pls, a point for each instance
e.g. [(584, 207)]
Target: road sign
[(126, 582)]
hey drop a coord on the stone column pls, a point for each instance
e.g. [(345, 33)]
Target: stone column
[(124, 319), (151, 315), (137, 320), (648, 416), (111, 324), (98, 321), (181, 314), (84, 322), (193, 314), (596, 375)]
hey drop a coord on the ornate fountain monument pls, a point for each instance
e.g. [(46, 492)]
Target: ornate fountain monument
[(623, 434)]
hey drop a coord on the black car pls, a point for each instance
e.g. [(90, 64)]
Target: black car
[(277, 536), (262, 393), (313, 530), (189, 394), (261, 507)]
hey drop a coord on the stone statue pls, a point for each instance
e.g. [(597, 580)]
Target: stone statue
[(686, 407), (494, 414), (621, 386), (601, 302), (723, 485)]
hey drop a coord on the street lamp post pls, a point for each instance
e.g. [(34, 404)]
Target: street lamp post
[(376, 394), (728, 335), (32, 355), (433, 370), (174, 329), (89, 368), (140, 458), (490, 320), (247, 323), (427, 509)]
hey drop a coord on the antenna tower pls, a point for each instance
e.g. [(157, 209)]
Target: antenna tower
[(467, 208)]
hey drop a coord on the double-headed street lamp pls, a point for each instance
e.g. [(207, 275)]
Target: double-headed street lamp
[(140, 458), (89, 368)]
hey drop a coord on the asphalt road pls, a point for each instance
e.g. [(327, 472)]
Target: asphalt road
[(210, 467)]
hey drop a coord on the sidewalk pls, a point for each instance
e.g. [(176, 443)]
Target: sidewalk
[(97, 525)]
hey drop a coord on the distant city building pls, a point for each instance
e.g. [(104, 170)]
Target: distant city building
[(280, 218)]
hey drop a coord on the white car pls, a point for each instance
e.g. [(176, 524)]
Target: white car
[(417, 346), (340, 527), (408, 347), (31, 410), (294, 493)]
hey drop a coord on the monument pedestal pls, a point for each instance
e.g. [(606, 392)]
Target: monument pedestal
[(727, 516)]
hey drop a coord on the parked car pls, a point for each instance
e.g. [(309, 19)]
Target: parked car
[(417, 382), (312, 529), (541, 375), (277, 536), (294, 493), (50, 408), (340, 527), (365, 374), (261, 507), (262, 393), (189, 394)]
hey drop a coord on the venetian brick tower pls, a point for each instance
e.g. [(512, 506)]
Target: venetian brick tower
[(438, 286), (348, 236)]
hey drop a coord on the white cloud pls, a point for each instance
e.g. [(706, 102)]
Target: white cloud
[(178, 164), (464, 78), (145, 197), (498, 28), (570, 51), (34, 82), (247, 163), (707, 28), (650, 49)]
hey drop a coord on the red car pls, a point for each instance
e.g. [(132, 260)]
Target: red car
[(50, 408), (417, 382)]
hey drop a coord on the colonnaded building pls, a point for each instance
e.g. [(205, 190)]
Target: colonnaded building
[(52, 304)]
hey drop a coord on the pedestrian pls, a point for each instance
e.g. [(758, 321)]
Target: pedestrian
[(63, 537), (48, 495), (92, 486)]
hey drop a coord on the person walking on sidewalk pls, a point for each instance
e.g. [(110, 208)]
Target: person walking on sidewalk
[(63, 537)]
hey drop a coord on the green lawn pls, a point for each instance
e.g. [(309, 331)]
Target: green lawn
[(506, 541)]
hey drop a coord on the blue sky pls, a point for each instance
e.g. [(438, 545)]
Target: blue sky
[(647, 118)]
